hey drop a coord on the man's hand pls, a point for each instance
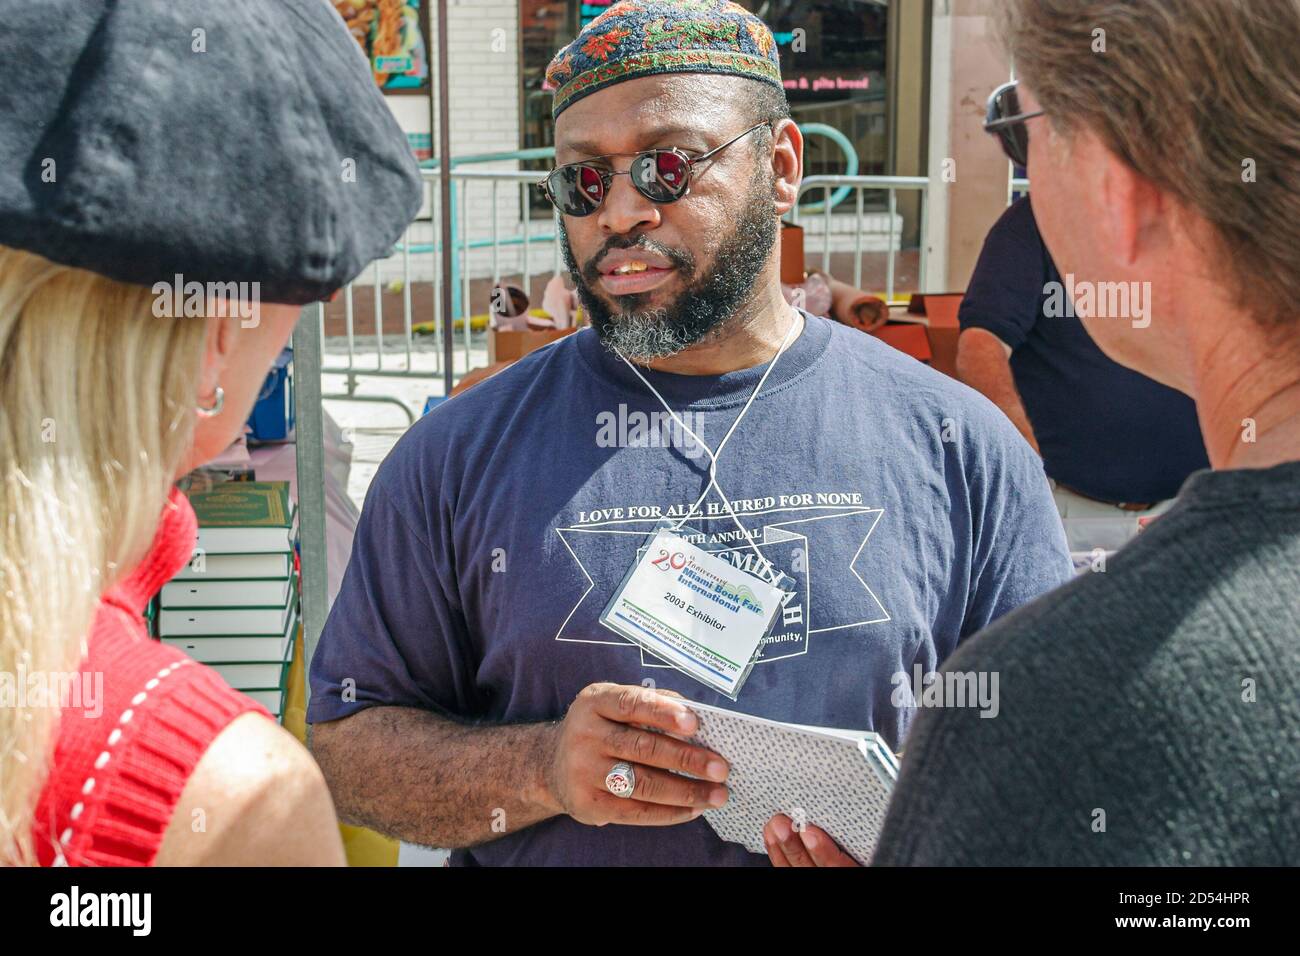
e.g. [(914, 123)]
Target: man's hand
[(807, 847), (608, 723)]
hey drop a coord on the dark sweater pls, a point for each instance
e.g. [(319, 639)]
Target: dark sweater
[(1130, 692)]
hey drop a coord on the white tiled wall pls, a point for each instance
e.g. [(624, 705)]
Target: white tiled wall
[(483, 62)]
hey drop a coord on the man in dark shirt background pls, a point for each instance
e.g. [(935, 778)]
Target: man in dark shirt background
[(1116, 444)]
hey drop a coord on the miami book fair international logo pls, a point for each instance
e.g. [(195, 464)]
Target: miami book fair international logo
[(808, 544)]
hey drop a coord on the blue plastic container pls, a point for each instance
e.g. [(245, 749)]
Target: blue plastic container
[(272, 418)]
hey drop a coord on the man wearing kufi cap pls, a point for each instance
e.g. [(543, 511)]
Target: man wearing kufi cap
[(470, 690)]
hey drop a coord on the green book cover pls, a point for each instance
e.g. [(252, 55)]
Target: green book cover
[(244, 504)]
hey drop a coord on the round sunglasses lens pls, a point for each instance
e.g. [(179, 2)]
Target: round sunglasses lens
[(1009, 103), (661, 176), (1015, 143), (1014, 138), (578, 190)]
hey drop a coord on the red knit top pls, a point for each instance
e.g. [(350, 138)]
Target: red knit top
[(124, 752)]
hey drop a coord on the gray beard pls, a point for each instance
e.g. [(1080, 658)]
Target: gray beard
[(707, 305), (652, 334)]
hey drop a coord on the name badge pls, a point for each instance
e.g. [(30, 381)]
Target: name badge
[(693, 610)]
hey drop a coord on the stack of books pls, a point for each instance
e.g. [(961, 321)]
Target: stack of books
[(234, 607)]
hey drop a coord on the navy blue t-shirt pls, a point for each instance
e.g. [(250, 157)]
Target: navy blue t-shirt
[(1103, 429), (907, 509)]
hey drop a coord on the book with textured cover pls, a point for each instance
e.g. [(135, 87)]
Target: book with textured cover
[(838, 780), (243, 504), (244, 516)]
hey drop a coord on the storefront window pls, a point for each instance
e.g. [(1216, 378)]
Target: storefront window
[(833, 67), (832, 63), (545, 26)]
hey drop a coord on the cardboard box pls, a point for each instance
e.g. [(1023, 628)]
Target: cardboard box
[(506, 346), (943, 349), (939, 308), (940, 311), (907, 337)]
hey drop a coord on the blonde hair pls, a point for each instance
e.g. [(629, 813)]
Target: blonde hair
[(96, 416), (1195, 95)]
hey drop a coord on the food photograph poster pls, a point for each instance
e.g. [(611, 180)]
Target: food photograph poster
[(392, 37)]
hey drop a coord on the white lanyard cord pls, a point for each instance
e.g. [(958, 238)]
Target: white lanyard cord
[(713, 455)]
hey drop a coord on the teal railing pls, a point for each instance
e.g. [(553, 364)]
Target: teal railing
[(429, 168)]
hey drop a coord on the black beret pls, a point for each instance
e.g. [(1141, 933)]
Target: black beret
[(224, 140)]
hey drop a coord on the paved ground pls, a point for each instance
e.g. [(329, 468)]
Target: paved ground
[(374, 426)]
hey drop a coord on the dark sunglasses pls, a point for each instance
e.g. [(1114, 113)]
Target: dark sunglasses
[(1005, 121), (661, 175)]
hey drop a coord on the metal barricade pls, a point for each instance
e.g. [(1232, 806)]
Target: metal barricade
[(829, 220), (514, 244), (416, 259)]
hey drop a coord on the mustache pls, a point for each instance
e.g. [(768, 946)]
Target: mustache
[(680, 258)]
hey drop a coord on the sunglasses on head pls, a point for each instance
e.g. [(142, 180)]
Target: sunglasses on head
[(661, 175), (1005, 121)]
